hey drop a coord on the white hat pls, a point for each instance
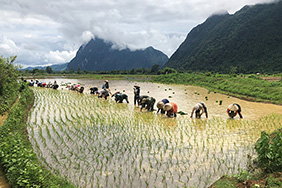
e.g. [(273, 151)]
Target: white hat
[(167, 106), (143, 100), (233, 107), (160, 104)]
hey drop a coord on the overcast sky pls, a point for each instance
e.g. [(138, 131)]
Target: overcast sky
[(44, 32)]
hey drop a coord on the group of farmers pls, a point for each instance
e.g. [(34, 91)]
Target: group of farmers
[(147, 102), (164, 106), (53, 85), (144, 101)]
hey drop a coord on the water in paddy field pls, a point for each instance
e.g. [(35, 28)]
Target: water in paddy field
[(94, 142)]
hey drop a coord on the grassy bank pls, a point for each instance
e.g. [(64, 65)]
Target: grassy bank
[(95, 76), (19, 162), (266, 168), (248, 87)]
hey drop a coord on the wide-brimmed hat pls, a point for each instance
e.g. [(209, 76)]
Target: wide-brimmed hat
[(106, 80), (232, 114), (136, 86), (160, 104), (143, 100), (167, 107), (233, 107)]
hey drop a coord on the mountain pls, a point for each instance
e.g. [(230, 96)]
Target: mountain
[(56, 67), (59, 67), (248, 41), (100, 55)]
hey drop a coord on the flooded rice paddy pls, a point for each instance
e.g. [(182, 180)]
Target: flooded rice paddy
[(99, 143)]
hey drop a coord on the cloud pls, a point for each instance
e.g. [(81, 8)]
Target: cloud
[(86, 37), (8, 46), (60, 56), (47, 32)]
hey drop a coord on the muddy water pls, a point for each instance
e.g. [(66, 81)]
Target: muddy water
[(184, 96), (96, 143)]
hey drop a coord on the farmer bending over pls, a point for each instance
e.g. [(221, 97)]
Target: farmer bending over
[(171, 109), (199, 109), (120, 97), (233, 110), (148, 103), (160, 105), (140, 99), (103, 93)]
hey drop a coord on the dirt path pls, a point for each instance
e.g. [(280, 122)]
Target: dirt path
[(3, 181), (275, 79), (3, 118)]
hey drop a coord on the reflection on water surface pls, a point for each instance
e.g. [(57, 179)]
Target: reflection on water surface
[(94, 142)]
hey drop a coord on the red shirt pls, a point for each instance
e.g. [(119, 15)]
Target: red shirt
[(174, 107)]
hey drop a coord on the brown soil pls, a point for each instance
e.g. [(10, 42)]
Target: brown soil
[(257, 182), (262, 182), (3, 181), (3, 118), (275, 79)]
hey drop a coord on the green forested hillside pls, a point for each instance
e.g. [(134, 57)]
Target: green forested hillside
[(99, 55), (249, 41)]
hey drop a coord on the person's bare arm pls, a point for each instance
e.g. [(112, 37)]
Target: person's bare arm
[(192, 112), (240, 115)]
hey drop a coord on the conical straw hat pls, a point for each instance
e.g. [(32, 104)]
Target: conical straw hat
[(160, 104), (167, 106), (233, 107)]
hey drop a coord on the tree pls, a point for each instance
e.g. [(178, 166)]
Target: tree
[(8, 83), (132, 71), (138, 71), (49, 69), (233, 70), (34, 71), (78, 70), (8, 72), (71, 71), (168, 70), (155, 68)]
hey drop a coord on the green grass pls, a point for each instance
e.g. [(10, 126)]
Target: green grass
[(20, 163), (249, 87), (102, 143)]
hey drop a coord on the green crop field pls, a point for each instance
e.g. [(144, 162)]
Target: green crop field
[(99, 143)]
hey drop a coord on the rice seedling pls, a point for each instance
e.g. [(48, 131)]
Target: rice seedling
[(104, 144)]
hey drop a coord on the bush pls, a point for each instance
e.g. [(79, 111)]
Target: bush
[(269, 149), (19, 162), (17, 159), (8, 84)]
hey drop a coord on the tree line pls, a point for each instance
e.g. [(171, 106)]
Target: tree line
[(155, 70), (8, 83)]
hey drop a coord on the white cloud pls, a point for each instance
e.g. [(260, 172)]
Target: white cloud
[(86, 37), (8, 46), (55, 57), (48, 32)]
